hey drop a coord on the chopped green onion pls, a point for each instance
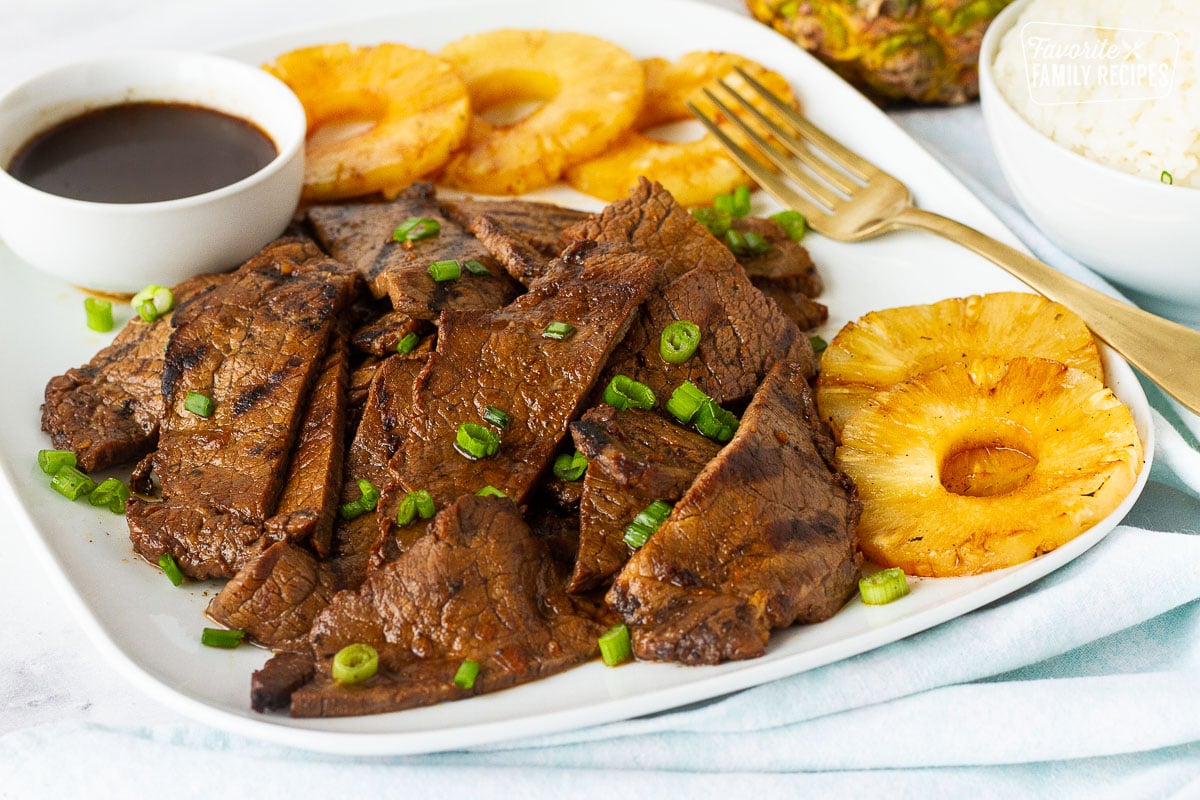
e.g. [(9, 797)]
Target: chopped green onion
[(490, 491), (52, 460), (883, 587), (475, 441), (741, 201), (99, 314), (475, 267), (220, 637), (110, 494), (1167, 178), (735, 241), (715, 422), (423, 501), (756, 245), (793, 223), (71, 483), (368, 500), (166, 563), (407, 344), (648, 520), (414, 229), (570, 466), (714, 219), (558, 330), (615, 645), (468, 670), (449, 270), (818, 344), (496, 416), (355, 663), (624, 392), (199, 404), (686, 401), (679, 341), (152, 302)]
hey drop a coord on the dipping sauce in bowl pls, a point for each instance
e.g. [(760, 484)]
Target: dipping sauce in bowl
[(142, 153)]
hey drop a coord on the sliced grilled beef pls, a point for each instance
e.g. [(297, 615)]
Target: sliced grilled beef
[(539, 226), (479, 585), (762, 539), (634, 458), (380, 336), (107, 411), (787, 264), (743, 335), (502, 359), (271, 687), (650, 222), (360, 234), (276, 596), (520, 259), (308, 502), (796, 306), (256, 354)]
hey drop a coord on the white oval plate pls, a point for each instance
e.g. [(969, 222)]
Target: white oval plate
[(150, 630)]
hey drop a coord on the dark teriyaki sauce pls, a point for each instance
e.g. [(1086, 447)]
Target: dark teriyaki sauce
[(142, 153)]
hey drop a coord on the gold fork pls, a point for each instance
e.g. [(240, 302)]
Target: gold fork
[(846, 197)]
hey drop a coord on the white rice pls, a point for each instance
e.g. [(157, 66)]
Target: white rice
[(1116, 124)]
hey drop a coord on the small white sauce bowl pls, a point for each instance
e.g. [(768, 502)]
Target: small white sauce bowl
[(1142, 235), (123, 247)]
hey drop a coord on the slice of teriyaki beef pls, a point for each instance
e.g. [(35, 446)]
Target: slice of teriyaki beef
[(361, 235), (480, 586), (255, 356), (634, 458), (786, 263), (522, 235), (535, 360), (107, 411), (763, 539)]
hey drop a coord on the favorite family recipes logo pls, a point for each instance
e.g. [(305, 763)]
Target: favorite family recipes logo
[(1084, 63)]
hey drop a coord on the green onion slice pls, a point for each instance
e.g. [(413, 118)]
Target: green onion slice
[(570, 466), (448, 270), (679, 341), (166, 563), (152, 302), (468, 670), (648, 520), (714, 219), (475, 441), (490, 491), (818, 344), (407, 510), (615, 645), (199, 404), (220, 637), (368, 500), (407, 344), (793, 223), (741, 201), (51, 461), (715, 422), (475, 267), (496, 416), (624, 392), (883, 587), (558, 330), (110, 494), (99, 314), (1166, 178), (355, 663), (685, 401), (423, 501), (414, 229), (71, 483), (756, 245)]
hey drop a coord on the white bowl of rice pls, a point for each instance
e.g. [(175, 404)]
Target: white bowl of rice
[(1094, 113)]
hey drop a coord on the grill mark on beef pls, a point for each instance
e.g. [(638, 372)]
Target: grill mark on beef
[(221, 476), (786, 264), (762, 539), (634, 458), (479, 585), (501, 359)]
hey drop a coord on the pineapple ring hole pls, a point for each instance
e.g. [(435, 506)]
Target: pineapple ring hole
[(989, 466), (505, 97)]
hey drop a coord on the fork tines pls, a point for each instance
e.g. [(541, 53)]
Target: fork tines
[(826, 171)]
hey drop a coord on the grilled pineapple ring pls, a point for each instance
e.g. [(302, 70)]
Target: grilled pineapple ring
[(591, 91), (982, 465), (694, 172), (886, 347), (415, 107)]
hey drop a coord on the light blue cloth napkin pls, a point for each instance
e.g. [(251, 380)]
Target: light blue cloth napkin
[(1085, 684)]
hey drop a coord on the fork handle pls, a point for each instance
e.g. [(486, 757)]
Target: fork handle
[(1164, 351)]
